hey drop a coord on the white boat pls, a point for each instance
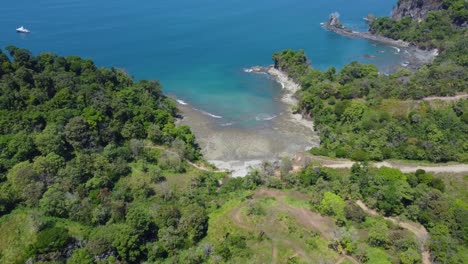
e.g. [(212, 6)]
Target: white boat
[(22, 30)]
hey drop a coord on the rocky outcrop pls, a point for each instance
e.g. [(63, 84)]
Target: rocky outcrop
[(342, 30), (334, 20), (416, 9)]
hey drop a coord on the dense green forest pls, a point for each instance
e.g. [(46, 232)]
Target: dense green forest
[(94, 170), (70, 134), (363, 115), (442, 29)]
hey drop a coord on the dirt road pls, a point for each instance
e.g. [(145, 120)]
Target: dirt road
[(302, 159)]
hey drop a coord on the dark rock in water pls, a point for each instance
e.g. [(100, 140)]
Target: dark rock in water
[(334, 20), (416, 9)]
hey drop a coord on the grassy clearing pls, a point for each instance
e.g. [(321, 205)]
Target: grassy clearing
[(456, 185), (221, 223), (17, 233), (269, 221), (296, 202)]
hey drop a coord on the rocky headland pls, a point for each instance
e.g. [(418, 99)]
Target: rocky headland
[(342, 30), (416, 9), (414, 57)]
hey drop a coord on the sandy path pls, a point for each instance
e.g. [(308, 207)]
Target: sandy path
[(418, 230), (196, 166)]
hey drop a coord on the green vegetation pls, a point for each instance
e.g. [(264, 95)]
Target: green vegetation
[(274, 220), (360, 114), (442, 29), (93, 169), (80, 175), (363, 115)]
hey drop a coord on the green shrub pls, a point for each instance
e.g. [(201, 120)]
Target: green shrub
[(360, 155), (51, 239)]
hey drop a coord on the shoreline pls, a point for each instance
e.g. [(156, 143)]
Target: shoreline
[(366, 35), (239, 150), (416, 57), (289, 88)]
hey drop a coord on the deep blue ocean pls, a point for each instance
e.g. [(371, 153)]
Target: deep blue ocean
[(197, 49)]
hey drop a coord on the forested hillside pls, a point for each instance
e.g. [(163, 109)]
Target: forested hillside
[(75, 164), (443, 29), (363, 115), (94, 170)]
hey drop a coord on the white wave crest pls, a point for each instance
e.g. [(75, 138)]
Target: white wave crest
[(210, 114), (264, 117), (397, 49), (181, 102)]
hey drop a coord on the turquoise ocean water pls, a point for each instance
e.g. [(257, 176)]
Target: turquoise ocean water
[(197, 49)]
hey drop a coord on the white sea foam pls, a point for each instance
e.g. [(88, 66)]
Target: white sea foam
[(181, 102), (248, 70), (210, 114), (282, 85), (397, 49), (264, 117), (227, 124)]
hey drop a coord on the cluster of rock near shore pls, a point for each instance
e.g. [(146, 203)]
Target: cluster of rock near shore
[(416, 9)]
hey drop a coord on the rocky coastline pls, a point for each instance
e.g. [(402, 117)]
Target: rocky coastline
[(414, 57), (290, 88), (365, 35)]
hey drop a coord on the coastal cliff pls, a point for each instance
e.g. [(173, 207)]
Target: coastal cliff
[(415, 9)]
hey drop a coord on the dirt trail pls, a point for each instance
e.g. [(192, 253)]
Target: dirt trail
[(346, 257), (303, 159), (274, 254), (196, 166), (446, 98), (418, 230)]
